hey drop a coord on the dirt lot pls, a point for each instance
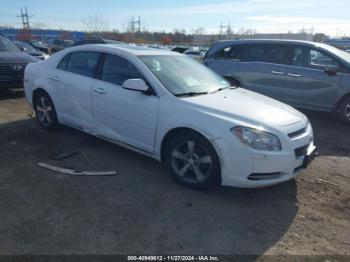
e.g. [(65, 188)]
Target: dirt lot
[(142, 211)]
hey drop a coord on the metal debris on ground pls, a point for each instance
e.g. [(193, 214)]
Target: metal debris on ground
[(71, 172), (61, 154), (326, 182)]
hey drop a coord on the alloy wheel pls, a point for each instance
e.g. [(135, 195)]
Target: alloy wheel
[(191, 162), (44, 111)]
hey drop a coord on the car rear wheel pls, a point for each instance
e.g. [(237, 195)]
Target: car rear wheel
[(344, 110), (45, 111), (192, 161)]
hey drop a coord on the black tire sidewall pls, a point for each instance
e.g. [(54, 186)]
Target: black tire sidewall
[(341, 110), (214, 178), (53, 114), (233, 82)]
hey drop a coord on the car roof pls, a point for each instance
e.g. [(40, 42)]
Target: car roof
[(222, 43), (282, 41), (271, 41), (128, 50)]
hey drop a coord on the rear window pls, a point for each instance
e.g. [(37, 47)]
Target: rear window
[(256, 53), (268, 53), (83, 63), (233, 52), (63, 63)]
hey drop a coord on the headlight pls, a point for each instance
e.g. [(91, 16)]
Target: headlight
[(257, 139)]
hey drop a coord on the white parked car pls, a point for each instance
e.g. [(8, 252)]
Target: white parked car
[(169, 107)]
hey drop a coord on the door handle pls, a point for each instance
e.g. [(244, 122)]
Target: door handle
[(100, 91), (277, 73), (294, 75), (54, 78)]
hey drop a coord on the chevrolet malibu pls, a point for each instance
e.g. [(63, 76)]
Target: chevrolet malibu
[(169, 107)]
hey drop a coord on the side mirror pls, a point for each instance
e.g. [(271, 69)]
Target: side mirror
[(136, 85), (23, 49), (331, 70)]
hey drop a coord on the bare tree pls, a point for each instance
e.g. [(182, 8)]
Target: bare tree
[(229, 30), (95, 25), (39, 26), (199, 31)]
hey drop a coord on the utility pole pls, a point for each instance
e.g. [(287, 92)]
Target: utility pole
[(132, 25), (25, 18), (135, 22), (223, 28), (139, 24)]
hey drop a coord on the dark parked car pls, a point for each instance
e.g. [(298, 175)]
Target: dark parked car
[(90, 41), (59, 44), (12, 64), (180, 49), (41, 46), (28, 49), (303, 74)]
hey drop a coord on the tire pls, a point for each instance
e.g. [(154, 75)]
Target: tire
[(192, 161), (45, 111), (343, 111)]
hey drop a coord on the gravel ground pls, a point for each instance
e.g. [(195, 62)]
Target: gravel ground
[(142, 211)]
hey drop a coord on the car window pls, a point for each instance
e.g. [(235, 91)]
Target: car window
[(83, 63), (321, 60), (276, 54), (311, 58), (192, 53), (63, 63), (256, 53), (117, 70), (229, 52)]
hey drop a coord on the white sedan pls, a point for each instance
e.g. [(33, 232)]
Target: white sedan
[(170, 107)]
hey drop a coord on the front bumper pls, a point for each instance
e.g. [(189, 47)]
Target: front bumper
[(247, 168), (11, 82), (10, 78)]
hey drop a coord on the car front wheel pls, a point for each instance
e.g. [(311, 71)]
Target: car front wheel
[(192, 161), (45, 111)]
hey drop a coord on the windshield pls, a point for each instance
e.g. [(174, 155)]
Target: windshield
[(7, 45), (182, 75), (338, 52)]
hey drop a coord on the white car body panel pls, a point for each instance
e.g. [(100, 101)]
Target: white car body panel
[(125, 115), (140, 122)]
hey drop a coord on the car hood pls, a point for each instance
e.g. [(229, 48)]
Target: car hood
[(35, 53), (15, 57), (248, 106)]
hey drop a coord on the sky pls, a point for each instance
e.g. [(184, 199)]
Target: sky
[(266, 16)]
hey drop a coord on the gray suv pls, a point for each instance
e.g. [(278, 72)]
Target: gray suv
[(303, 74)]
